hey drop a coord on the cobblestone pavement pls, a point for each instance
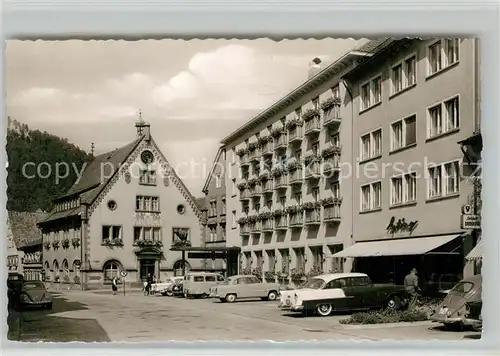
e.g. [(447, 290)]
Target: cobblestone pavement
[(135, 317)]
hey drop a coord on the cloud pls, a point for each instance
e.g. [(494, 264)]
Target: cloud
[(37, 96)]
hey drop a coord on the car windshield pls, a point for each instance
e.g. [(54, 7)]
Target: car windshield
[(33, 285), (313, 283), (462, 288)]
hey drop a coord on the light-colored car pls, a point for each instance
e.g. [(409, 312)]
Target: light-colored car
[(35, 295), (244, 287), (342, 292), (198, 284), (162, 287)]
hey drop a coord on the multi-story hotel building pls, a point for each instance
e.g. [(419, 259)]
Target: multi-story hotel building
[(288, 208), (129, 211), (413, 101)]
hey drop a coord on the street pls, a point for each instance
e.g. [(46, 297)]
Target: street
[(135, 317)]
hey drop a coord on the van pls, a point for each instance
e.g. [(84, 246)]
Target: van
[(198, 284)]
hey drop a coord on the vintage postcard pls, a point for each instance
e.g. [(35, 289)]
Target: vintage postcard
[(244, 190)]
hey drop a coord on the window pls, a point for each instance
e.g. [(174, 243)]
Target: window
[(217, 181), (336, 91), (371, 144), (298, 198), (246, 209), (257, 207), (404, 189), (365, 96), (147, 203), (377, 90), (359, 281), (234, 186), (298, 154), (213, 234), (223, 212), (147, 233), (137, 233), (233, 155), (442, 54), (283, 201), (335, 189), (371, 196), (315, 193), (223, 231), (147, 177), (298, 113), (111, 270), (269, 204), (403, 74), (213, 209), (403, 133), (443, 179), (443, 117), (336, 140), (315, 148), (110, 232), (315, 103), (233, 219)]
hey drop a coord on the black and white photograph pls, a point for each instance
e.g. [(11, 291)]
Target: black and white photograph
[(213, 189)]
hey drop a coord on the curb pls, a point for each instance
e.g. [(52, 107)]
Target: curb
[(387, 325)]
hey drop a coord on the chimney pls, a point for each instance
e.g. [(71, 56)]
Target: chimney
[(314, 67)]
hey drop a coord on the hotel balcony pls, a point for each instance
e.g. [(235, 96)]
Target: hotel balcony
[(244, 230), (244, 194), (281, 182), (295, 134), (266, 149), (267, 225), (244, 160), (331, 163), (296, 220), (313, 217), (280, 223), (254, 155), (280, 142), (256, 191), (312, 171), (295, 176), (313, 126), (332, 117), (267, 186), (255, 228), (331, 212)]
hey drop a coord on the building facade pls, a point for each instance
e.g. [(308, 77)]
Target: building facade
[(129, 211), (288, 208), (413, 101)]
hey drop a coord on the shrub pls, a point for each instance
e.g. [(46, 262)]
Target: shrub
[(386, 316)]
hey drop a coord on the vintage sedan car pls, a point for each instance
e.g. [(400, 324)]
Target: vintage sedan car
[(342, 292), (35, 295), (462, 305), (176, 289), (244, 287), (163, 287)]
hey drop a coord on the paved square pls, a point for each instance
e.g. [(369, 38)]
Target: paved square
[(135, 317)]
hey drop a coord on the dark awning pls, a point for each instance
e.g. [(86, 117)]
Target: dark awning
[(205, 248)]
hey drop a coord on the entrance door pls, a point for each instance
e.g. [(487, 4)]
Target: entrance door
[(147, 267)]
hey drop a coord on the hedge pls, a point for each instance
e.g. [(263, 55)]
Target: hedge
[(387, 316)]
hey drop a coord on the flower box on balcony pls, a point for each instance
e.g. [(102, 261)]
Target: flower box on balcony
[(240, 152), (242, 220), (311, 205), (113, 242), (331, 201), (330, 151), (293, 123), (310, 114), (329, 103), (277, 132)]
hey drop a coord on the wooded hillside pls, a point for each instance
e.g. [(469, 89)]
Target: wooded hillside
[(39, 153)]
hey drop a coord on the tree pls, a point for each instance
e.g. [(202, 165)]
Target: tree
[(27, 189)]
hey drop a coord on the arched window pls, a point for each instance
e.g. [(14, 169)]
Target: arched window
[(178, 267), (65, 269), (111, 270), (55, 267)]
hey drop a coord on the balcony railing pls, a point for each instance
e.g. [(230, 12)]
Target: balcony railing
[(313, 217), (256, 227), (267, 225), (244, 194), (244, 230), (244, 160), (280, 142), (331, 163), (254, 155), (280, 223), (295, 177), (312, 126), (296, 219), (267, 186), (332, 116), (312, 170), (331, 213), (295, 134), (255, 191), (280, 182), (266, 148)]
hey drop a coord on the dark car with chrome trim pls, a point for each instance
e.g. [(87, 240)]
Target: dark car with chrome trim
[(35, 295)]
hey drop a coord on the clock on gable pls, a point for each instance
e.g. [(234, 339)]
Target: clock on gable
[(147, 157)]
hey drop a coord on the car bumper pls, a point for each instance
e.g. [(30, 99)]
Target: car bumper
[(36, 304), (290, 307), (456, 320)]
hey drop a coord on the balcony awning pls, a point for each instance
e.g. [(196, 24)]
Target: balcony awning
[(476, 253), (396, 247)]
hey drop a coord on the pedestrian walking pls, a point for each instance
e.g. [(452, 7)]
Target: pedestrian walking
[(145, 286), (114, 285), (149, 282), (412, 287)]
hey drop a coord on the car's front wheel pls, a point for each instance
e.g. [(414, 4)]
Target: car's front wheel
[(393, 303), (272, 295), (231, 298), (324, 309)]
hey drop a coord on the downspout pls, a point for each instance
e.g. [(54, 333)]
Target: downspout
[(353, 159)]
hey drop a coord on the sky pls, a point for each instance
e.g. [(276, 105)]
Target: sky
[(193, 93)]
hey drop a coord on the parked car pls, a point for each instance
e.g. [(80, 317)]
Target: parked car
[(176, 288), (462, 305), (197, 284), (35, 295), (342, 292), (243, 287), (163, 287)]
